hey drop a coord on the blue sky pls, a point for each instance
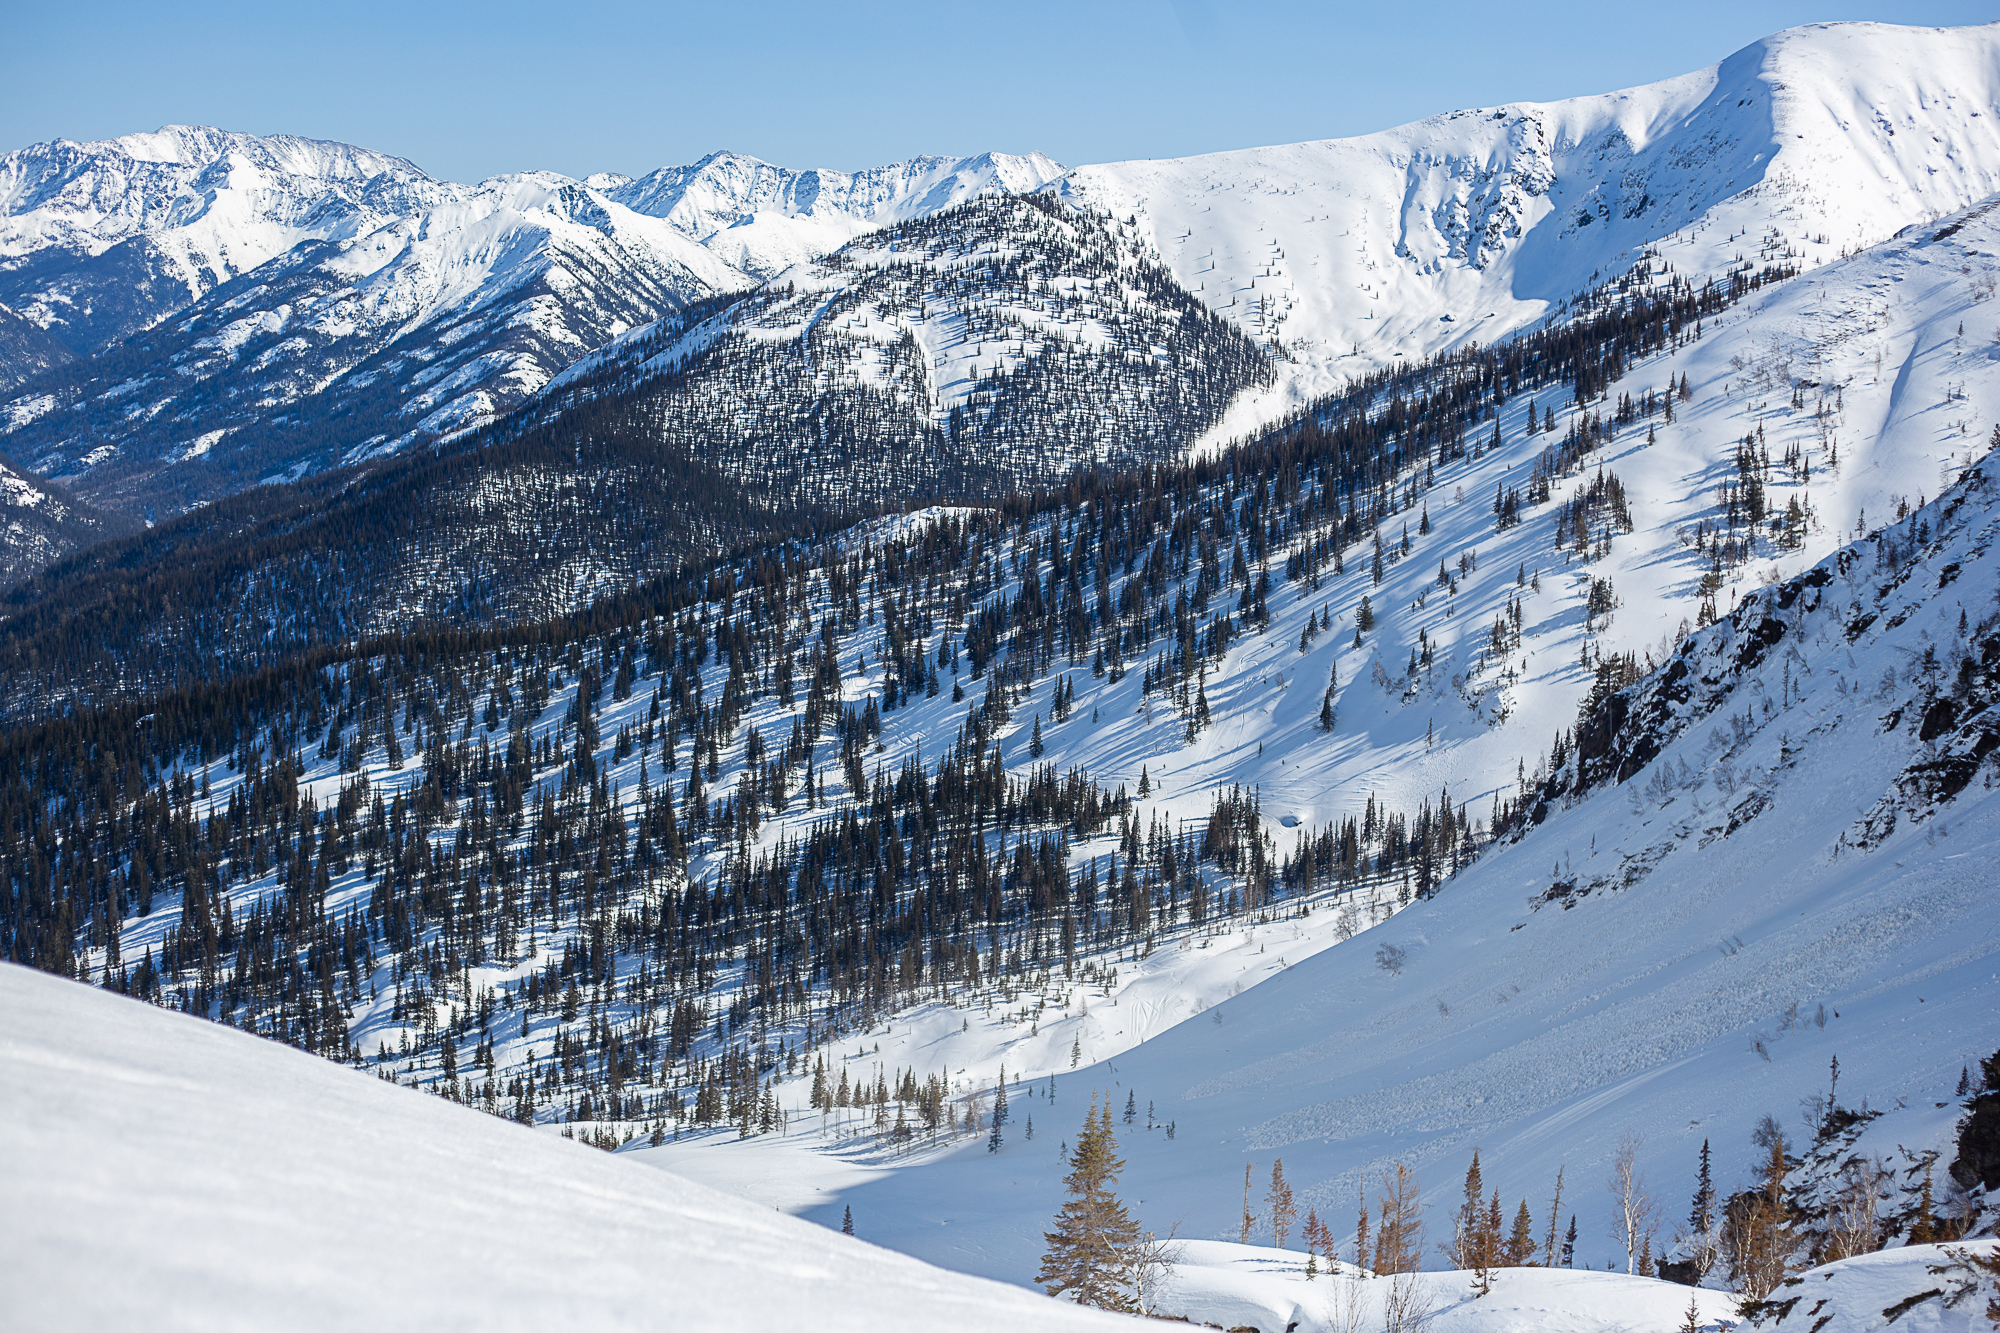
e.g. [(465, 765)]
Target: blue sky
[(467, 91)]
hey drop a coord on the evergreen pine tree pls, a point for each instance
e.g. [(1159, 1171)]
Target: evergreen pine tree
[(1089, 1254), (1465, 1227), (1521, 1242), (999, 1112), (847, 1220), (1701, 1216)]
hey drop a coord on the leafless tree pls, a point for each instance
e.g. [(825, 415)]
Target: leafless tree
[(1635, 1217), (1407, 1303), (1852, 1227), (1154, 1259)]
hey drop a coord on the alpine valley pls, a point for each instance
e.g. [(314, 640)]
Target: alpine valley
[(1464, 660)]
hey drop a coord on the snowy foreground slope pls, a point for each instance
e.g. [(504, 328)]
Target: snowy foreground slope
[(171, 1173), (1346, 254), (177, 1174)]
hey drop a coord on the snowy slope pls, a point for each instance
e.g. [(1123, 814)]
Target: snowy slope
[(763, 219), (101, 239), (1929, 1287), (1802, 872), (172, 1173), (1351, 253)]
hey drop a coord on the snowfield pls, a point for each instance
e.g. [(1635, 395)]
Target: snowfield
[(166, 1172)]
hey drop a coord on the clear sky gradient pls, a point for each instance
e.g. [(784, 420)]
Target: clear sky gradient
[(467, 91)]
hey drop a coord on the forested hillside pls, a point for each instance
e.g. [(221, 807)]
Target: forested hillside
[(743, 811)]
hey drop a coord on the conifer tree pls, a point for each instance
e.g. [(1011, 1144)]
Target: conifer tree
[(1466, 1225), (1089, 1254), (1701, 1217), (999, 1112), (1521, 1242), (1283, 1210), (847, 1220)]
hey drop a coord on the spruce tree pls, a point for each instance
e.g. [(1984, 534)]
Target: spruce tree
[(1701, 1216), (1521, 1243), (1465, 1228), (1089, 1254), (999, 1112), (847, 1220)]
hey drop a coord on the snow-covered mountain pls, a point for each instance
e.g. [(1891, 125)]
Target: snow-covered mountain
[(1576, 735), (1351, 253), (984, 350), (1340, 256), (1794, 809), (763, 219), (383, 308), (334, 350), (1672, 936), (99, 240)]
